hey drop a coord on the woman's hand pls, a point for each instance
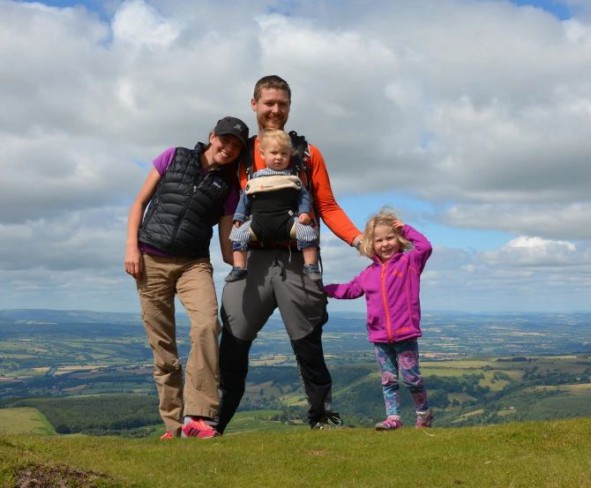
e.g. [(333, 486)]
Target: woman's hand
[(133, 261)]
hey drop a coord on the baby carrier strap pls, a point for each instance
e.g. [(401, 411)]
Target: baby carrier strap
[(300, 160), (273, 183)]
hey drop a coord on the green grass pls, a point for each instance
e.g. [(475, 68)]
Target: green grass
[(256, 420), (24, 421), (533, 454)]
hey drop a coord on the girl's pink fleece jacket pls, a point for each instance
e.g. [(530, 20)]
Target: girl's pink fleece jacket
[(391, 291)]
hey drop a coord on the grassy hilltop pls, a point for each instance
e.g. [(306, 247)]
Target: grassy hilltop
[(531, 454), (511, 396)]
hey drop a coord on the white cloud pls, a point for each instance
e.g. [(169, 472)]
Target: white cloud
[(528, 273), (478, 109), (550, 221), (139, 24), (525, 251)]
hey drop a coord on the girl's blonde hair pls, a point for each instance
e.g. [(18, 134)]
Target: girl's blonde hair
[(278, 135), (387, 217)]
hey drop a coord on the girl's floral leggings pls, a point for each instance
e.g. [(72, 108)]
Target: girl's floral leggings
[(401, 360)]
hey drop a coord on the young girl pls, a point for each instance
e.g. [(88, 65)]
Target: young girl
[(391, 287)]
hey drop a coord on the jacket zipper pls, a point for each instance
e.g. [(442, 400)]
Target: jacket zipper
[(385, 302)]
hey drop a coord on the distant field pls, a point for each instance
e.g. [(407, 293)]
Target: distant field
[(573, 389), (24, 421), (479, 368), (462, 364)]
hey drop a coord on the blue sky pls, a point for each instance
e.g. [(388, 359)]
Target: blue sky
[(560, 9), (469, 117)]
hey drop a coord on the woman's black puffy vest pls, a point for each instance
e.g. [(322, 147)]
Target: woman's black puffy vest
[(186, 205)]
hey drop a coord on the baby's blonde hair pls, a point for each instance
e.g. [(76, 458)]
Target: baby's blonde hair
[(278, 135), (387, 217)]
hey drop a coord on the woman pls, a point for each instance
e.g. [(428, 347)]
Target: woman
[(187, 192)]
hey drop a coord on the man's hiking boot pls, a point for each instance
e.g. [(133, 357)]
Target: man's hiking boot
[(424, 419), (393, 422), (312, 271), (330, 420), (236, 274)]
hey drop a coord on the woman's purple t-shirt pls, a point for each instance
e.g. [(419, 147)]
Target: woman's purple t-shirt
[(161, 164)]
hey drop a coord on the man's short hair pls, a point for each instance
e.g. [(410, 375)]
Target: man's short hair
[(271, 81)]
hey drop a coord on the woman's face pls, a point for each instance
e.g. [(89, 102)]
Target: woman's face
[(385, 242), (224, 149)]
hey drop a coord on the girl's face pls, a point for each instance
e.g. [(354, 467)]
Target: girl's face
[(276, 156), (385, 242)]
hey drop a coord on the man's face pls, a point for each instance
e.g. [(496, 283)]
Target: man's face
[(272, 108)]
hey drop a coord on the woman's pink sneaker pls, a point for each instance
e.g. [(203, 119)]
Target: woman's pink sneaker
[(197, 427)]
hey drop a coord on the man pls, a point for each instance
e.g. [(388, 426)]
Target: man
[(275, 280)]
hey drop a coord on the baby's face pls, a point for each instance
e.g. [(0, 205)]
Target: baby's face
[(276, 156)]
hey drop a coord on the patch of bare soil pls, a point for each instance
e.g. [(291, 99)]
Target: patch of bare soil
[(58, 476)]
